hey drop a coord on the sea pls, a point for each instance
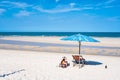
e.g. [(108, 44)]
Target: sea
[(93, 34)]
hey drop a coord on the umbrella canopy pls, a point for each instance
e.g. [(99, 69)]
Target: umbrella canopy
[(80, 38)]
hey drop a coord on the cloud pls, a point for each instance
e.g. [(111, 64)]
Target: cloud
[(109, 1), (2, 11), (16, 4), (63, 10), (23, 13), (57, 10), (105, 3)]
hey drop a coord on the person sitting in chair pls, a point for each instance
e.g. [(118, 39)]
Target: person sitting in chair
[(78, 58), (82, 60)]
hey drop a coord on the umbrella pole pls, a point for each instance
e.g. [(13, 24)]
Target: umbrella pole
[(79, 52), (79, 47)]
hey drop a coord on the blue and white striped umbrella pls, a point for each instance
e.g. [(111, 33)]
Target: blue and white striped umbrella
[(80, 38)]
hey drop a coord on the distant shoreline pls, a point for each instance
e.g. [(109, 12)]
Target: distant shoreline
[(93, 34)]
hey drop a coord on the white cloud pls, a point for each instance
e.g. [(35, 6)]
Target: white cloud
[(109, 1), (16, 4), (23, 13), (105, 3), (63, 8), (57, 10), (2, 11)]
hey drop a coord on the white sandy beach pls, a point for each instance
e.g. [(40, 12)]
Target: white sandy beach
[(44, 66), (37, 58)]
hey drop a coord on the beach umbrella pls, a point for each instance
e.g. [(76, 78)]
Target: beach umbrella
[(80, 38)]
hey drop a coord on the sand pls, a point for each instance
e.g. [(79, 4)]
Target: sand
[(107, 46), (37, 58)]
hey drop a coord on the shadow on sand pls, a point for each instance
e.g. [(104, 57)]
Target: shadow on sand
[(89, 62), (93, 63)]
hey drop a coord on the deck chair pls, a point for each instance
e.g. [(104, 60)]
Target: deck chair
[(76, 58)]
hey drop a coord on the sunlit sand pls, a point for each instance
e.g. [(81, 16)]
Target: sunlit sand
[(38, 58)]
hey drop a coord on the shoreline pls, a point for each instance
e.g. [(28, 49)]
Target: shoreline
[(54, 36), (92, 34)]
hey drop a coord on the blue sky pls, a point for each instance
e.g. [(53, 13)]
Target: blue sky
[(59, 15)]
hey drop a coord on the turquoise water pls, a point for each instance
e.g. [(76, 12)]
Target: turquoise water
[(94, 34)]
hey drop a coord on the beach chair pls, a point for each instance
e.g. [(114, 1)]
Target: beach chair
[(76, 58)]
